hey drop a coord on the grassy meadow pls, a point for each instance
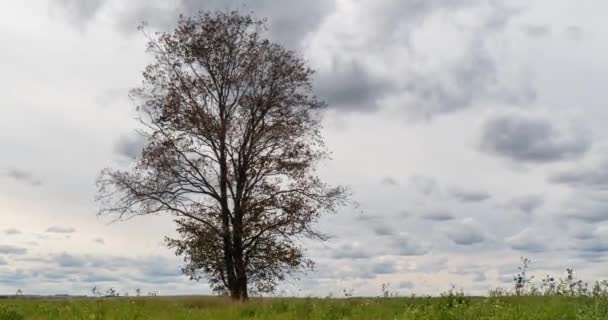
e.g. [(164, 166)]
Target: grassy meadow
[(446, 307)]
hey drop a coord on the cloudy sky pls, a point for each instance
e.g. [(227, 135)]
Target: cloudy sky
[(471, 132)]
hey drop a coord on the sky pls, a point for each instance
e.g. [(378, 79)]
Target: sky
[(470, 132)]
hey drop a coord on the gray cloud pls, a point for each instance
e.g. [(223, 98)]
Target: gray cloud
[(582, 235), (384, 268), (69, 261), (129, 146), (3, 262), (423, 184), (591, 177), (574, 32), (480, 277), (440, 215), (12, 250), (383, 230), (591, 214), (60, 229), (588, 207), (594, 246), (532, 140), (16, 277), (99, 240), (537, 30), (527, 203), (349, 251), (290, 21), (465, 233), (389, 181), (86, 270), (598, 246), (470, 195), (78, 12), (406, 245), (528, 241), (474, 76), (404, 214), (349, 86), (22, 176), (152, 271), (100, 278), (11, 231), (463, 82), (405, 285)]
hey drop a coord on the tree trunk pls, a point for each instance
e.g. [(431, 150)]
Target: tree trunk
[(239, 261), (243, 284), (229, 245)]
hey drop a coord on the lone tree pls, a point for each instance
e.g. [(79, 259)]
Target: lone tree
[(232, 133)]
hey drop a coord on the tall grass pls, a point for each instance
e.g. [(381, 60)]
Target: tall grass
[(450, 306)]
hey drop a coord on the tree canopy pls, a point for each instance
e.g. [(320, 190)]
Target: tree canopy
[(233, 137)]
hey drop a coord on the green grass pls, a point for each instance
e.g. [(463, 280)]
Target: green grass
[(455, 307)]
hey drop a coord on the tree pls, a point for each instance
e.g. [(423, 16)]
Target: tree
[(111, 292), (233, 138)]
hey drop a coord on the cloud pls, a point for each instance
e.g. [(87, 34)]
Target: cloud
[(3, 262), (350, 251), (462, 83), (405, 285), (99, 240), (129, 146), (470, 195), (384, 268), (574, 33), (87, 270), (100, 278), (16, 277), (12, 250), (405, 245), (23, 176), (423, 184), (594, 246), (528, 241), (471, 78), (587, 207), (383, 230), (527, 203), (466, 232), (290, 22), (582, 234), (69, 261), (59, 229), (595, 177), (440, 215), (468, 75), (349, 86), (537, 31), (531, 140), (78, 12), (389, 181), (11, 231), (153, 272)]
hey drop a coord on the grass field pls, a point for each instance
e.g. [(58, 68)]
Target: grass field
[(453, 307)]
